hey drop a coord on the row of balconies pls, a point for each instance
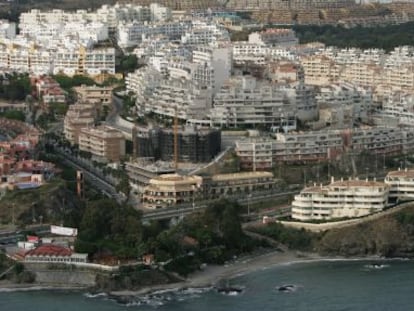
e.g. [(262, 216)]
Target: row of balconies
[(374, 197)]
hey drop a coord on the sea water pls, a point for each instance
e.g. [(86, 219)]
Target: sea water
[(323, 285)]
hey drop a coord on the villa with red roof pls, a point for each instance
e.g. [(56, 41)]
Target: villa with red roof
[(54, 253)]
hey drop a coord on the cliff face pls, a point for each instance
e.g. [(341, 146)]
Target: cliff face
[(389, 236), (132, 280), (49, 203)]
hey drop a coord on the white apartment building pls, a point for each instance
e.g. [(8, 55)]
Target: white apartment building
[(274, 37), (266, 153), (244, 52), (113, 15), (109, 15), (174, 97), (339, 199), (401, 184), (170, 189), (310, 146), (84, 32), (363, 67), (400, 107), (56, 16), (281, 4), (160, 13), (165, 96), (7, 29), (316, 146), (382, 140), (175, 83), (215, 65), (81, 60), (205, 34), (70, 59), (25, 58), (400, 76), (182, 69), (285, 72), (319, 70), (341, 104), (141, 82), (256, 154), (151, 46), (130, 34), (205, 66), (364, 74), (244, 101)]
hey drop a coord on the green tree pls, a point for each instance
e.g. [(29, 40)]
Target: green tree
[(14, 86), (124, 186), (231, 226), (128, 63), (67, 82), (64, 81), (78, 80), (14, 115), (108, 226), (58, 108)]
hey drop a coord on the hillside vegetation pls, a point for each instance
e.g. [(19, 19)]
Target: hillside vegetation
[(382, 37), (50, 203), (389, 236)]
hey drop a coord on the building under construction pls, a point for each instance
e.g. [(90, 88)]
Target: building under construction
[(193, 144)]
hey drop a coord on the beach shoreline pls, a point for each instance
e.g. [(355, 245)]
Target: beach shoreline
[(212, 275), (209, 277)]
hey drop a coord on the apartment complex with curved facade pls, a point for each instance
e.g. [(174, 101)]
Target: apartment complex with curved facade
[(401, 184), (170, 189), (351, 198)]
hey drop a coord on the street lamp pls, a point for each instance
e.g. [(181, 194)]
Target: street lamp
[(248, 203), (193, 187)]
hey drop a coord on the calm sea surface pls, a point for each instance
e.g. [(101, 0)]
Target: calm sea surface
[(327, 285)]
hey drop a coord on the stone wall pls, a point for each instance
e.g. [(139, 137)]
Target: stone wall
[(47, 274)]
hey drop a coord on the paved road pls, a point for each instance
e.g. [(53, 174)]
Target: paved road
[(177, 212), (96, 181), (169, 213), (11, 237)]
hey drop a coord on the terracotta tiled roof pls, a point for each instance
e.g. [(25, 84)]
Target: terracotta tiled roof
[(50, 250)]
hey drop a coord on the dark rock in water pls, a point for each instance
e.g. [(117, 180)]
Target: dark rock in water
[(122, 300), (376, 266), (286, 288), (229, 290)]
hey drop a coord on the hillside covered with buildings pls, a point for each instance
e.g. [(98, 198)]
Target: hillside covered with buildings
[(146, 135)]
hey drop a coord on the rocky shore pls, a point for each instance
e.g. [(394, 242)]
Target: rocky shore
[(211, 275)]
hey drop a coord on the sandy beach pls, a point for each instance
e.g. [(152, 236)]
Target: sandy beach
[(211, 275)]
